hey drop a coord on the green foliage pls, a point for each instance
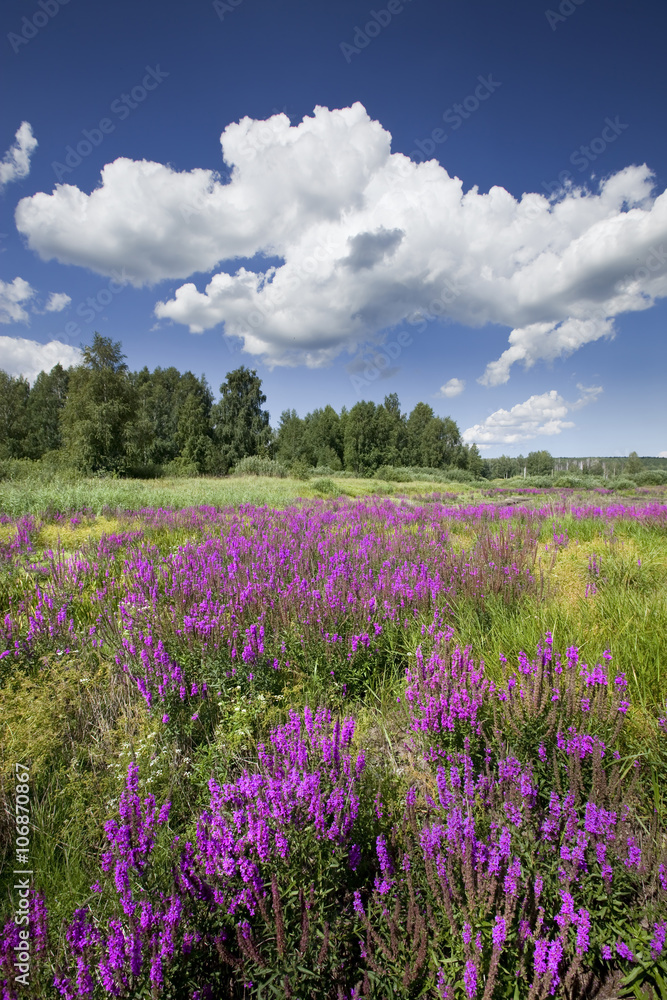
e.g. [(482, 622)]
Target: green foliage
[(504, 467), (323, 435), (300, 469), (539, 463), (633, 464), (181, 467), (475, 462), (45, 406), (241, 426), (193, 434), (389, 474), (326, 487), (99, 408), (289, 439), (431, 441), (366, 438), (651, 477), (172, 418), (14, 393), (253, 465)]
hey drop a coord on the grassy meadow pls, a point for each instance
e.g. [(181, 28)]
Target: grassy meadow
[(335, 738)]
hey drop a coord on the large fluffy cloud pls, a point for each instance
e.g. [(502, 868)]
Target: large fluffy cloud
[(365, 240), (15, 164), (543, 414), (19, 356)]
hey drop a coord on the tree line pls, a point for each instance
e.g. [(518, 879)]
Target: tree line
[(100, 417)]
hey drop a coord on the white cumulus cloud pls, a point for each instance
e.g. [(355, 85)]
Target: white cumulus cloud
[(454, 387), (19, 356), (362, 240), (540, 414), (57, 301), (15, 164), (12, 296)]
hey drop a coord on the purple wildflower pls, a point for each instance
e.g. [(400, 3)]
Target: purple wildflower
[(623, 950), (470, 980), (658, 942), (499, 932)]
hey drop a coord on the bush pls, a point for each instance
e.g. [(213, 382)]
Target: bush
[(14, 469), (651, 477), (622, 483), (568, 482), (180, 468), (300, 469), (326, 486), (253, 465), (149, 471), (391, 474), (384, 473), (455, 475)]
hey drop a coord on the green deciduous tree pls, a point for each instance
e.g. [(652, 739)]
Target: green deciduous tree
[(397, 430), (476, 463), (45, 405), (324, 438), (290, 438), (100, 407), (241, 426), (193, 434), (504, 467), (432, 441), (539, 463), (14, 395), (368, 438)]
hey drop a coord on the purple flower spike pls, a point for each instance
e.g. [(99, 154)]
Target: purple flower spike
[(470, 980)]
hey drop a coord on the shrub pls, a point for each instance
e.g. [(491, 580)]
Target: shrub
[(300, 469), (394, 474), (14, 469), (567, 482), (455, 475), (651, 477), (180, 468), (253, 465), (326, 486)]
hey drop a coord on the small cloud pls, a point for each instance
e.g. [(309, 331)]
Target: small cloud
[(543, 414), (662, 454), (12, 295), (15, 163), (589, 393), (57, 302), (454, 387)]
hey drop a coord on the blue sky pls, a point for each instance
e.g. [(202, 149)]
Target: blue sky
[(474, 216)]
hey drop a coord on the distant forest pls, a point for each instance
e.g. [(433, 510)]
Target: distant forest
[(99, 417)]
